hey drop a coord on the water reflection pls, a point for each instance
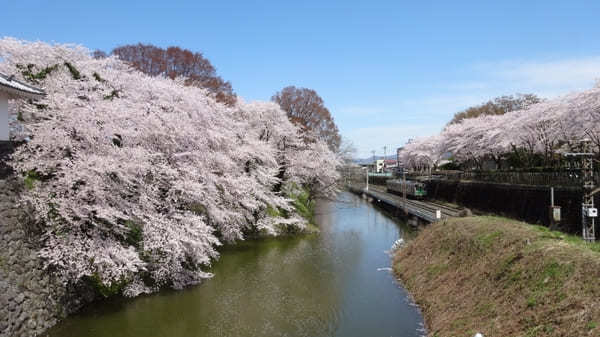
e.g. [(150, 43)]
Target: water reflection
[(317, 285)]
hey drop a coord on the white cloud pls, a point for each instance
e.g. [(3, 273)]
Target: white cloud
[(548, 78), (418, 117), (486, 81), (445, 104), (425, 116), (375, 138)]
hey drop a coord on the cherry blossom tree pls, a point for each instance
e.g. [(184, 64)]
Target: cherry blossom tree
[(542, 129), (135, 180)]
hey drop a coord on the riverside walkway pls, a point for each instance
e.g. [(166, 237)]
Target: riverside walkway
[(424, 210)]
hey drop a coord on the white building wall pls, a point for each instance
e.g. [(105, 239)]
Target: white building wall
[(380, 165), (4, 133)]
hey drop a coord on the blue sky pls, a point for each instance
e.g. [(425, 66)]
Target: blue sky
[(387, 70)]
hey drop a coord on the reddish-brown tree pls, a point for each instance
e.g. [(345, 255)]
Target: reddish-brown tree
[(306, 109), (497, 106), (99, 54), (177, 62)]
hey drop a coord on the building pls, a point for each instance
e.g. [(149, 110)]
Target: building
[(379, 165), (390, 165), (12, 89)]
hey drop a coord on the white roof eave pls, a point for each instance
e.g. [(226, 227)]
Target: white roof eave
[(14, 93), (18, 89)]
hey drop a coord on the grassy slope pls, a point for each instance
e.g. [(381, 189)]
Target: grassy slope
[(502, 277)]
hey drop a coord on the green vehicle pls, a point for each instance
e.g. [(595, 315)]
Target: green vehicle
[(414, 189)]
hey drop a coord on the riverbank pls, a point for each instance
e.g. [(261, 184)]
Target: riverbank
[(33, 299), (502, 277), (332, 284)]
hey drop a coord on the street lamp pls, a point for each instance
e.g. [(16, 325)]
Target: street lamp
[(367, 173)]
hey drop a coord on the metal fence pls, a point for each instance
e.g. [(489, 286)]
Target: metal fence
[(562, 178), (565, 178)]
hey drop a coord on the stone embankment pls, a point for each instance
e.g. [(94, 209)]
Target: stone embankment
[(30, 299)]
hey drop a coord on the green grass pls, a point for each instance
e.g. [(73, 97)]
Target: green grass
[(487, 240), (437, 269), (544, 283), (197, 208), (532, 332), (98, 77), (273, 211), (472, 272), (135, 235), (113, 94), (486, 309), (531, 301), (303, 203), (31, 177), (505, 270), (569, 238), (552, 273), (74, 72), (300, 200), (106, 290), (29, 74)]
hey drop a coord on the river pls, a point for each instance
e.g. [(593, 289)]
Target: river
[(335, 283)]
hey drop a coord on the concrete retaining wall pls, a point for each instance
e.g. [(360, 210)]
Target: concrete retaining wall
[(522, 202)]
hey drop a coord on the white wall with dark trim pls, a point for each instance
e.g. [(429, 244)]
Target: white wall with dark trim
[(4, 128)]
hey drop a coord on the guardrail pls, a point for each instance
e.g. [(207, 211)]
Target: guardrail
[(409, 206), (384, 174), (420, 209)]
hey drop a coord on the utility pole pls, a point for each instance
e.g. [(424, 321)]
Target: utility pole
[(374, 161), (384, 156), (398, 160), (588, 211), (404, 188)]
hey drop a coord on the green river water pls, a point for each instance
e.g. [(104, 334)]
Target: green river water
[(335, 283)]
